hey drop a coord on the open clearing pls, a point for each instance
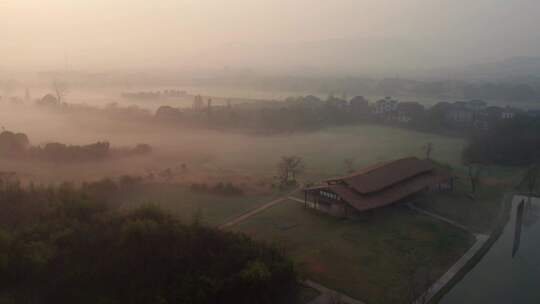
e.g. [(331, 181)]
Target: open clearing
[(324, 151), (364, 259), (478, 212), (254, 158), (368, 258), (210, 209)]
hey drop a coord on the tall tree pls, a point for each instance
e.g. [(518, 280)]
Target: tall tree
[(349, 164), (474, 171), (428, 149), (530, 179), (198, 103), (60, 90), (288, 168)]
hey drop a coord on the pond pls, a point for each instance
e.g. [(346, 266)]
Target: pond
[(510, 270)]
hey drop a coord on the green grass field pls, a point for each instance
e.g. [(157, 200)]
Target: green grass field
[(370, 258), (479, 211), (365, 258), (187, 205), (256, 157), (324, 151)]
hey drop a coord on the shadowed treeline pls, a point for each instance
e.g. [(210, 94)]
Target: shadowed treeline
[(71, 244)]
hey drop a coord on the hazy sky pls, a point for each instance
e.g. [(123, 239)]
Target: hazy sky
[(142, 33)]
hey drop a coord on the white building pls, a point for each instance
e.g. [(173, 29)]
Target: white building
[(385, 106)]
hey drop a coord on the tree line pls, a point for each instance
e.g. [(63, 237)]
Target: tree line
[(69, 244), (17, 145)]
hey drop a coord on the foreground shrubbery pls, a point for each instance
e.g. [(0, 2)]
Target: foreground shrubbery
[(74, 249)]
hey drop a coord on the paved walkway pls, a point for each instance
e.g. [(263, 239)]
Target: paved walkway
[(329, 296), (441, 218), (454, 270), (251, 213), (292, 198)]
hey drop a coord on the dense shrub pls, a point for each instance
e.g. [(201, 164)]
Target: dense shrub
[(62, 152), (13, 144), (219, 188), (227, 189), (17, 145), (81, 251)]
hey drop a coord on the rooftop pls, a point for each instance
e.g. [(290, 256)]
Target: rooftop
[(384, 175), (385, 183)]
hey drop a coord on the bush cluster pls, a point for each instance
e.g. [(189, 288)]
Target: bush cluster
[(66, 245), (219, 188)]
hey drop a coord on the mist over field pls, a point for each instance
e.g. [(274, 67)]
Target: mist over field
[(269, 151)]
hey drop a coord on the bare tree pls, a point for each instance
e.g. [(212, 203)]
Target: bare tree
[(198, 103), (288, 168), (474, 172), (530, 179), (60, 90), (167, 174), (209, 107), (349, 164), (428, 149)]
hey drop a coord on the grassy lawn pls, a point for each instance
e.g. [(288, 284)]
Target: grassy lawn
[(181, 201), (324, 151), (365, 258), (256, 157), (370, 258), (478, 211)]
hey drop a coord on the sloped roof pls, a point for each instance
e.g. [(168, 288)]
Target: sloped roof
[(390, 195), (386, 183), (383, 175)]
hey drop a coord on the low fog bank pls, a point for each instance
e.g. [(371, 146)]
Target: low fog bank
[(513, 81), (197, 139), (187, 155)]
